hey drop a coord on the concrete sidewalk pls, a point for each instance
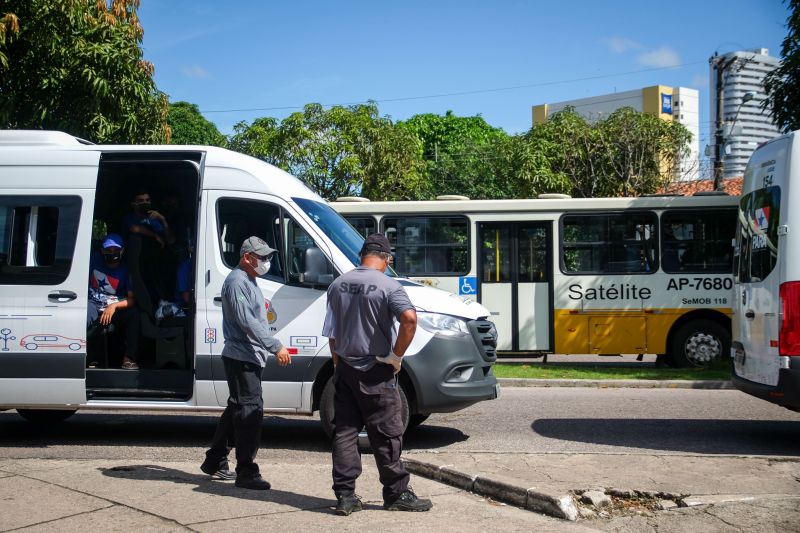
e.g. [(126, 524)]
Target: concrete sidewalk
[(113, 495), (552, 483)]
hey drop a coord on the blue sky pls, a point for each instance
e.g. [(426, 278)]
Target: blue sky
[(509, 55)]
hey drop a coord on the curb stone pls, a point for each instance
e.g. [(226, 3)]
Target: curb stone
[(706, 384), (557, 505)]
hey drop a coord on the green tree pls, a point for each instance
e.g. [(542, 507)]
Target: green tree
[(341, 151), (461, 155), (188, 126), (626, 154), (781, 85), (76, 66)]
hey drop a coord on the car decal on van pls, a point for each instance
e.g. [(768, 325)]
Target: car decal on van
[(50, 341)]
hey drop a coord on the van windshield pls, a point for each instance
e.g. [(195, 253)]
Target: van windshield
[(338, 230)]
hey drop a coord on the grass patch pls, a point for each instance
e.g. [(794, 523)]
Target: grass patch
[(545, 371)]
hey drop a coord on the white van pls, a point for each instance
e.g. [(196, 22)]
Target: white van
[(60, 195), (766, 310)]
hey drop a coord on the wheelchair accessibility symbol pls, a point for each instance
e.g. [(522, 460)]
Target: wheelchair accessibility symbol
[(468, 285)]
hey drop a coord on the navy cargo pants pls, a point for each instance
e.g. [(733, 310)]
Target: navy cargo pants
[(368, 398)]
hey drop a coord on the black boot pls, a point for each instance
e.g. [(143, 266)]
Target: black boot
[(348, 503), (408, 501)]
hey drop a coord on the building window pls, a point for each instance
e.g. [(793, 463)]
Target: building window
[(37, 238)]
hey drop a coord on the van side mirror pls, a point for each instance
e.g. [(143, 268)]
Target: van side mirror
[(317, 269)]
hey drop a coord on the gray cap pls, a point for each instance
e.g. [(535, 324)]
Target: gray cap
[(257, 246)]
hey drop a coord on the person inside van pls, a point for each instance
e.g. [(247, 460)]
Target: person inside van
[(111, 299), (145, 220)]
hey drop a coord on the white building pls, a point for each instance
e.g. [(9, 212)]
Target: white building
[(680, 104), (744, 124)]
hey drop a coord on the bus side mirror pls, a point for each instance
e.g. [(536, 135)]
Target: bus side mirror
[(317, 271)]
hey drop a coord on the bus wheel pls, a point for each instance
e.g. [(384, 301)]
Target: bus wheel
[(326, 413), (699, 343), (46, 416)]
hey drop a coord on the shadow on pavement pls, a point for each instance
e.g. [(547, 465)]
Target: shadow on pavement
[(220, 488), (745, 437)]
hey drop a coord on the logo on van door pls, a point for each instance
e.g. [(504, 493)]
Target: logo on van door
[(272, 315)]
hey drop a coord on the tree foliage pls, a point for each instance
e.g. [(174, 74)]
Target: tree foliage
[(781, 85), (341, 151), (188, 126), (626, 154), (461, 155), (76, 66)]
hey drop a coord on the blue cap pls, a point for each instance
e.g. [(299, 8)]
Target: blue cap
[(111, 240)]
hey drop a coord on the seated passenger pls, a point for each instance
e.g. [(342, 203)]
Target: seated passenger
[(146, 221), (184, 279), (111, 300)]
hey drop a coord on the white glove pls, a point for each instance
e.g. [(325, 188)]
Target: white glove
[(392, 359)]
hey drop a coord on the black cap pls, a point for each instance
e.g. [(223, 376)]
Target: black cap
[(377, 242)]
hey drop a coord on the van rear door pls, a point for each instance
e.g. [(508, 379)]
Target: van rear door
[(45, 234), (758, 269)]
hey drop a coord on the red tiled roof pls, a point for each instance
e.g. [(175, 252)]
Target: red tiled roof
[(732, 186)]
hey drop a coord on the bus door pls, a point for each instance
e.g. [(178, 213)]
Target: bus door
[(514, 282)]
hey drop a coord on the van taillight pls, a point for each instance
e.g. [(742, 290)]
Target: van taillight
[(789, 339)]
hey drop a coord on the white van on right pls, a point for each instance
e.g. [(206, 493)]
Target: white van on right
[(766, 304)]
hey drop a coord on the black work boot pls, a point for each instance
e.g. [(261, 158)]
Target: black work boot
[(253, 482), (348, 503), (217, 471), (408, 501)]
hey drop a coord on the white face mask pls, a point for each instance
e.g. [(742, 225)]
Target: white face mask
[(262, 268)]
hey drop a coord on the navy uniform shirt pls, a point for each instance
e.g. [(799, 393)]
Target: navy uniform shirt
[(362, 307)]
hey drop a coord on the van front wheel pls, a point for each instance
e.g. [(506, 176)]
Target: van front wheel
[(45, 416), (326, 413), (699, 343)]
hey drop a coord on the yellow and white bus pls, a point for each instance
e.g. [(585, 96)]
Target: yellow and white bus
[(576, 276)]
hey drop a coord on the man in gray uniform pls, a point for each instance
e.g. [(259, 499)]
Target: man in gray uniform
[(362, 307), (247, 341)]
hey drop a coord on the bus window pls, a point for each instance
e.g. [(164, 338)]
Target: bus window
[(620, 243), (496, 243), (364, 225), (532, 254), (697, 242), (429, 245)]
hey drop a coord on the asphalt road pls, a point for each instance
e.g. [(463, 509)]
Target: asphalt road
[(533, 420)]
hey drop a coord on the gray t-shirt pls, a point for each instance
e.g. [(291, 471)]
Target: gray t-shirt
[(362, 307), (244, 320)]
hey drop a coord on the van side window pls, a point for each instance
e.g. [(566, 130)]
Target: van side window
[(757, 241), (37, 238), (694, 241), (301, 247), (238, 219)]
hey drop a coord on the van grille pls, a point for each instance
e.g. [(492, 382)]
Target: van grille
[(485, 335)]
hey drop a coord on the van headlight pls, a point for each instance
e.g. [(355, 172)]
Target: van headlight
[(442, 324)]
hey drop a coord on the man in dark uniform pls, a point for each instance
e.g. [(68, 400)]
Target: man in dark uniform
[(247, 342), (362, 307)]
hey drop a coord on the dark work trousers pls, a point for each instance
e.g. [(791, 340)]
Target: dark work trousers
[(367, 398), (240, 423), (128, 318)]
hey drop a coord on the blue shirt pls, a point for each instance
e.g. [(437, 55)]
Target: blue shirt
[(107, 285), (132, 219), (183, 282)]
